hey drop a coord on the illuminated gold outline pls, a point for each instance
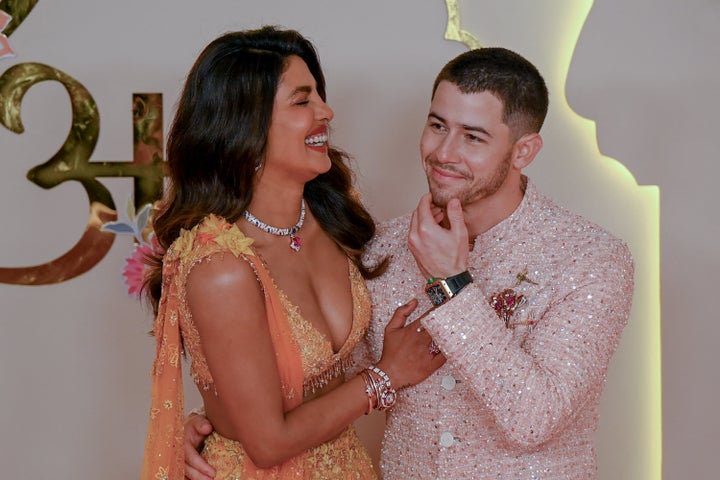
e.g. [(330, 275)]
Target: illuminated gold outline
[(453, 31)]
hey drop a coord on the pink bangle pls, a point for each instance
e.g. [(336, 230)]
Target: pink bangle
[(385, 393)]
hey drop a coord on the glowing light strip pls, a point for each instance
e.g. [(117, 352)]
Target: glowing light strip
[(453, 31)]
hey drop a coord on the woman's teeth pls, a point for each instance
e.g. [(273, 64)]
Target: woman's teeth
[(317, 140)]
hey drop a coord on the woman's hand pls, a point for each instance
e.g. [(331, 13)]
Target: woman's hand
[(407, 357)]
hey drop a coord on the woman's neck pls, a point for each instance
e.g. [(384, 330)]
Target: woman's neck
[(279, 206)]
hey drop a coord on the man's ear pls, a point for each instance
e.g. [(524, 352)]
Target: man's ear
[(525, 149)]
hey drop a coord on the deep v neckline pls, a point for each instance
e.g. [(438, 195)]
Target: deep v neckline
[(301, 318)]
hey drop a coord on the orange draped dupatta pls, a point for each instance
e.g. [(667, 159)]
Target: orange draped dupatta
[(164, 457)]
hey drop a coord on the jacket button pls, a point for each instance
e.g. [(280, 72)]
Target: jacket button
[(448, 382), (447, 439)]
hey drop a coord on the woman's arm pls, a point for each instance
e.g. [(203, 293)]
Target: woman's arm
[(227, 306)]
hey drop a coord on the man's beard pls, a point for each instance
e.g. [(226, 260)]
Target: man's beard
[(475, 191)]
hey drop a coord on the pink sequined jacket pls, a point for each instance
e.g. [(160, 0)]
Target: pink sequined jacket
[(528, 346)]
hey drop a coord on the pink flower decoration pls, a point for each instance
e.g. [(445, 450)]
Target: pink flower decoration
[(5, 50), (136, 265)]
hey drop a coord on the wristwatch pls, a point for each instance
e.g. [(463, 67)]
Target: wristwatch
[(440, 290)]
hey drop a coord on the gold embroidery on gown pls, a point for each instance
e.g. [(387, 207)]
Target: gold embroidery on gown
[(341, 458)]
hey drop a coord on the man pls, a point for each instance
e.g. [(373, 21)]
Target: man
[(526, 300)]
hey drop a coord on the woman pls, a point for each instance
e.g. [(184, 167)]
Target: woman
[(262, 284)]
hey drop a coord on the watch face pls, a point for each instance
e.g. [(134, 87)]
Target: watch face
[(437, 294)]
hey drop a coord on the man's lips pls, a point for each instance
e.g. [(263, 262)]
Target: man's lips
[(444, 174)]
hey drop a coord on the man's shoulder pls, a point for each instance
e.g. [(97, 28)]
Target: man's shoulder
[(390, 239), (391, 233), (402, 222), (576, 231)]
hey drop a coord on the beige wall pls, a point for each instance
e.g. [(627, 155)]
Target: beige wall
[(74, 357)]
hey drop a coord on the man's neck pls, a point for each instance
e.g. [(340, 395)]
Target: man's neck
[(485, 213)]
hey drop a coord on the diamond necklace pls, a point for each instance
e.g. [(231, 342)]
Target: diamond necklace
[(295, 242)]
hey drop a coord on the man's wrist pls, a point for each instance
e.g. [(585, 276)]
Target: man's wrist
[(440, 290)]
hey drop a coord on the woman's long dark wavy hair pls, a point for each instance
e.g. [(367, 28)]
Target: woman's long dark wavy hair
[(219, 135)]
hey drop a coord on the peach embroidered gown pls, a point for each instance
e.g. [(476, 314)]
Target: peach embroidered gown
[(305, 357)]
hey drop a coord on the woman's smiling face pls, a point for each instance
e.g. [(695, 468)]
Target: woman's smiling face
[(298, 137)]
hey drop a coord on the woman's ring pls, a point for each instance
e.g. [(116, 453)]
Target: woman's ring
[(433, 348)]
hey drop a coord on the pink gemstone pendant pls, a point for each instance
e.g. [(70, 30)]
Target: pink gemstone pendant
[(295, 243)]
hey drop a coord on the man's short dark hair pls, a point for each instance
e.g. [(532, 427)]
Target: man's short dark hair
[(510, 77)]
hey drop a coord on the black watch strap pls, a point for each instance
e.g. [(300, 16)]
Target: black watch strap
[(458, 282)]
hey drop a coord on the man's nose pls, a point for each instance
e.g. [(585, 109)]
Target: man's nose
[(447, 150)]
